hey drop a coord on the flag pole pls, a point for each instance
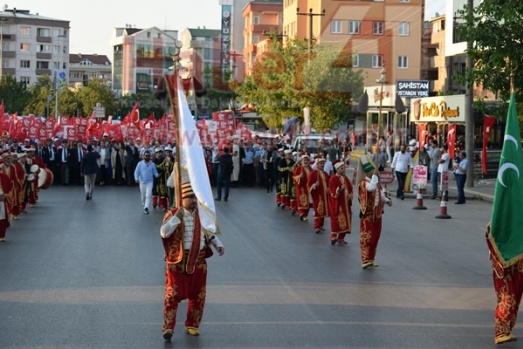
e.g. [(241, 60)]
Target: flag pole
[(176, 116)]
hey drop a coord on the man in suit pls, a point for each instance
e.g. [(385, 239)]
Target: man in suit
[(76, 154), (49, 155), (89, 169), (63, 159)]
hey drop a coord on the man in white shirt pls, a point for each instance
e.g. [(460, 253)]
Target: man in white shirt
[(443, 163), (401, 164)]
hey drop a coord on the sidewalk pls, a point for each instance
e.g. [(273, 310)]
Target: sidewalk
[(483, 189)]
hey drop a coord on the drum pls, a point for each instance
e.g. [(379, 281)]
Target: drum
[(34, 168), (45, 181)]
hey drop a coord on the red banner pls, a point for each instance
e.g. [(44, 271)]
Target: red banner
[(488, 122), (422, 134), (451, 140)]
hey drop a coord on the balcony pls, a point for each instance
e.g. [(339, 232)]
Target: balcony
[(43, 55), (43, 72), (44, 39), (260, 28), (9, 37), (11, 71), (9, 54)]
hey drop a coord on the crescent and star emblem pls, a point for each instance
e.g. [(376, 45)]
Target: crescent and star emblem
[(508, 165)]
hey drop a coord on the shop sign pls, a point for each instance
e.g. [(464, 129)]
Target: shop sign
[(439, 109), (412, 88)]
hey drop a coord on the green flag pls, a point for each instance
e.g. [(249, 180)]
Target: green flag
[(506, 229)]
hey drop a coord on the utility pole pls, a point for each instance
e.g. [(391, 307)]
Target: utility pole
[(310, 15), (469, 112)]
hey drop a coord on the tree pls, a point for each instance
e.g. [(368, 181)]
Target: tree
[(277, 82), (283, 82), (97, 91), (41, 97), (14, 94), (329, 84), (495, 31), (219, 89)]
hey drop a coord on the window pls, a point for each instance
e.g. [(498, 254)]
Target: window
[(64, 65), (403, 29), (255, 39), (256, 19), (25, 64), (378, 28), (355, 60), (207, 54), (404, 0), (56, 33), (45, 32), (336, 27), (56, 65), (43, 48), (403, 62), (377, 61), (25, 30), (56, 49), (25, 80), (354, 27), (6, 46), (6, 63), (42, 65), (65, 49), (25, 47)]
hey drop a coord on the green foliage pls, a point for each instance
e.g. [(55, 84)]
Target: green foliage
[(97, 91), (283, 82), (148, 105), (494, 30), (330, 82), (14, 94), (41, 97)]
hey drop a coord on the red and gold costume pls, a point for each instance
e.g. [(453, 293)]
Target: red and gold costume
[(371, 209), (165, 168), (33, 187), (18, 189), (319, 188), (9, 171), (508, 284), (6, 194), (301, 177), (340, 202)]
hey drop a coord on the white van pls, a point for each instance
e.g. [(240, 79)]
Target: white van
[(313, 142)]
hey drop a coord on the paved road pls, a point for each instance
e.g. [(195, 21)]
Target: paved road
[(89, 274)]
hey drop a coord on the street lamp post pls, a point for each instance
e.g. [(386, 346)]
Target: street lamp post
[(382, 81), (310, 15)]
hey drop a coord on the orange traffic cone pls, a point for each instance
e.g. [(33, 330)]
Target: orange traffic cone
[(419, 201), (443, 207)]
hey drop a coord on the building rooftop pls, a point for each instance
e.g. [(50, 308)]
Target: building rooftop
[(204, 32), (76, 58), (16, 13)]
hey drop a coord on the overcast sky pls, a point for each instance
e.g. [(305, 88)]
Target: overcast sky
[(92, 21)]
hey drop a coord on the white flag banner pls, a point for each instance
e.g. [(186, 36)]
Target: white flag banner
[(193, 160)]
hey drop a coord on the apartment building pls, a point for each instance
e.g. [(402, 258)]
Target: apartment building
[(33, 46), (83, 68), (261, 17), (378, 34), (140, 58)]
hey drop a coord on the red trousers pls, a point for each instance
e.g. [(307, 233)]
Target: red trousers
[(370, 231), (179, 286), (4, 224), (318, 223), (508, 283)]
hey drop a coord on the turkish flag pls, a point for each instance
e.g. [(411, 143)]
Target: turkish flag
[(135, 114), (488, 123)]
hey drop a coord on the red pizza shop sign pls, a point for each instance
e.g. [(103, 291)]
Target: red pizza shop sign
[(386, 177)]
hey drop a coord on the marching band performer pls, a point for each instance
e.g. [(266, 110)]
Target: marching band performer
[(340, 202)]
